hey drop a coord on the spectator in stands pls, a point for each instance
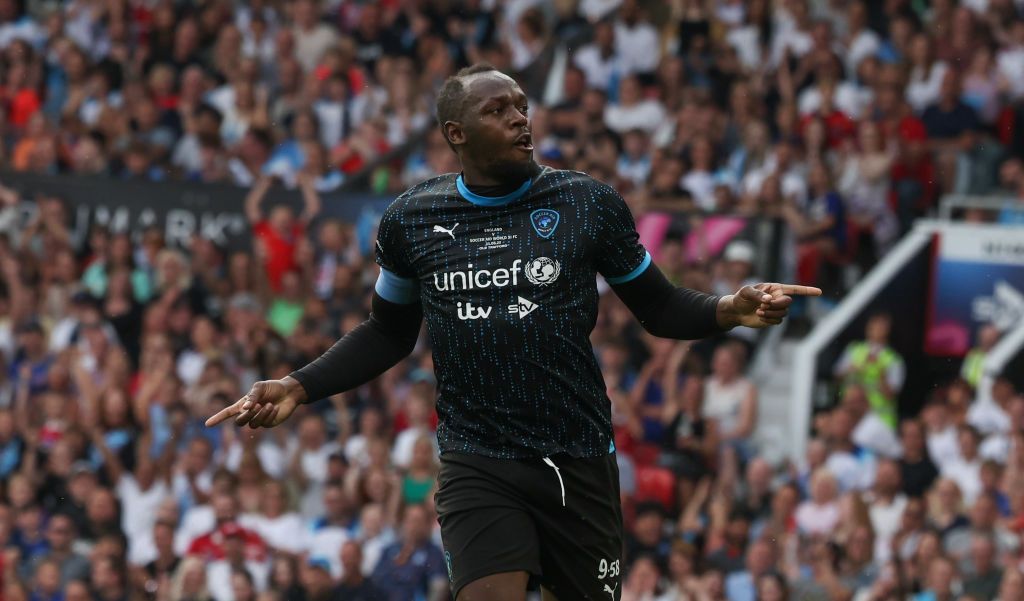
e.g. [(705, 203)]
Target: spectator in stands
[(646, 538), (987, 337), (742, 585), (820, 513), (281, 232), (952, 128), (412, 566), (641, 582), (730, 399), (966, 470), (982, 573), (876, 366), (917, 470), (353, 584), (870, 432)]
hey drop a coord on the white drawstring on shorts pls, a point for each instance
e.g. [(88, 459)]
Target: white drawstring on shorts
[(561, 484)]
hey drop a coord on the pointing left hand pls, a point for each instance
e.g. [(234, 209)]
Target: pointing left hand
[(765, 305)]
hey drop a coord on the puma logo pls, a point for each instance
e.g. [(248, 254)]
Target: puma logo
[(610, 591), (441, 230)]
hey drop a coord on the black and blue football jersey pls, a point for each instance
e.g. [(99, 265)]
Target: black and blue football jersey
[(509, 295)]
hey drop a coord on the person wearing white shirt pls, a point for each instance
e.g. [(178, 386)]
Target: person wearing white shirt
[(598, 60), (193, 479), (820, 513), (333, 112), (141, 495), (370, 424), (633, 111), (966, 471), (595, 10), (312, 38), (220, 574), (997, 446), (845, 96), (271, 456), (942, 443), (1010, 60), (792, 34), (197, 521), (281, 529), (309, 457), (926, 74), (792, 180), (871, 432), (852, 467), (636, 41), (326, 534), (700, 180), (885, 507), (374, 535), (990, 415), (418, 410), (861, 42)]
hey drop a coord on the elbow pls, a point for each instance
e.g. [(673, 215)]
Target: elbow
[(407, 347), (653, 328)]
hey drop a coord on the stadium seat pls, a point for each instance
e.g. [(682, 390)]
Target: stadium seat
[(655, 484)]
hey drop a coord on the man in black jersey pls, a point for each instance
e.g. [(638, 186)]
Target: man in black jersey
[(502, 261)]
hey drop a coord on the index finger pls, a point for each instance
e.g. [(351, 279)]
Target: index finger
[(797, 290), (229, 411)]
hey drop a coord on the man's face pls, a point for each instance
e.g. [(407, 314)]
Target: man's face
[(878, 330), (58, 533), (224, 509), (494, 128), (415, 526)]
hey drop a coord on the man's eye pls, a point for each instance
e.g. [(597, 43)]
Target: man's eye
[(525, 109), (496, 111)]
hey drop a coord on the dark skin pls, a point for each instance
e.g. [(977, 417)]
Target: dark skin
[(492, 138), (494, 146)]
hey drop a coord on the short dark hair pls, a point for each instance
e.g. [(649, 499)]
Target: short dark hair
[(452, 97)]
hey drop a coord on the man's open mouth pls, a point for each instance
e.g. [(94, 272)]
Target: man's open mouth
[(524, 142)]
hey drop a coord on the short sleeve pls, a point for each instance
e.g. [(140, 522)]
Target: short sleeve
[(620, 256), (397, 282)]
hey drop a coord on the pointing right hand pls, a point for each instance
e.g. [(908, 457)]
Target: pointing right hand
[(268, 404)]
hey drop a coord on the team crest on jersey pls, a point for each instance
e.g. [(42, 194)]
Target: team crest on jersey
[(544, 222)]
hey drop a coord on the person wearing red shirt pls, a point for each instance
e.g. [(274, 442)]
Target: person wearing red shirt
[(838, 126), (277, 235), (211, 546)]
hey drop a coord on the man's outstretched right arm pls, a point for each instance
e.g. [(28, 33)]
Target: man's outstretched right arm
[(366, 352)]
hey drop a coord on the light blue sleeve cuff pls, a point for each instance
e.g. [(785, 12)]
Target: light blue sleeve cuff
[(395, 289), (622, 279)]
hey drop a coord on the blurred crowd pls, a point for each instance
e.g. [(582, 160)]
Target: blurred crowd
[(843, 120)]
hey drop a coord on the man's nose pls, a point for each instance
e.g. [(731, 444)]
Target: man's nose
[(518, 118)]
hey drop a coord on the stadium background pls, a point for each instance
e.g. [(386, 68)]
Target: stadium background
[(150, 275)]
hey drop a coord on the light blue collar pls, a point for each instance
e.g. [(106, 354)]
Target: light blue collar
[(491, 201)]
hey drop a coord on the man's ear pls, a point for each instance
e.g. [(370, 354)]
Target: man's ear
[(454, 132)]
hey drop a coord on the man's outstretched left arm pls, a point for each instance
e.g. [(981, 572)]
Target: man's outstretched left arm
[(668, 311)]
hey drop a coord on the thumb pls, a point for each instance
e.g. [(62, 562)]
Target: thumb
[(257, 395), (753, 295)]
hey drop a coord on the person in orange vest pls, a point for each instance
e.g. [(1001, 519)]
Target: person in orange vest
[(875, 366)]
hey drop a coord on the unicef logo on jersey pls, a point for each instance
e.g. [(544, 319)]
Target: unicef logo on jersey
[(543, 271)]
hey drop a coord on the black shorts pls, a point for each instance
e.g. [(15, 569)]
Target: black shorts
[(559, 519)]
